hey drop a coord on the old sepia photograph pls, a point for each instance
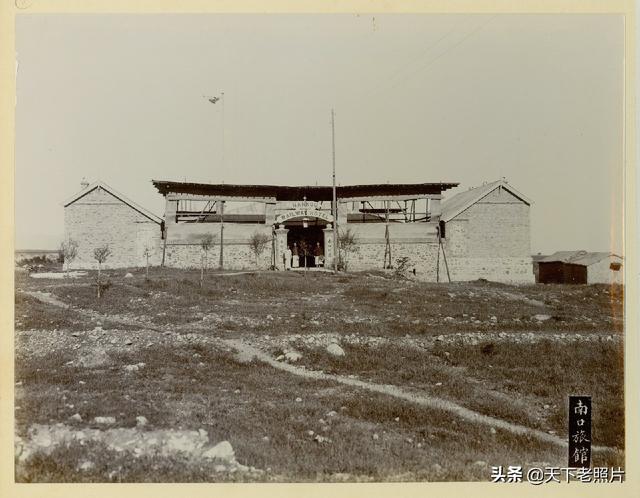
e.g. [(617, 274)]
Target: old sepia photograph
[(321, 248)]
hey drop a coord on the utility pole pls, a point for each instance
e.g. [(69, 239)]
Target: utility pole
[(334, 204), (220, 203)]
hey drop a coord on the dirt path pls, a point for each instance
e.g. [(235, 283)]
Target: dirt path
[(247, 352)]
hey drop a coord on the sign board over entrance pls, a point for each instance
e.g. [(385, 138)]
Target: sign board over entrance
[(292, 205), (304, 213)]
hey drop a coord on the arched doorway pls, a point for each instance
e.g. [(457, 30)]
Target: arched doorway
[(306, 238), (307, 232)]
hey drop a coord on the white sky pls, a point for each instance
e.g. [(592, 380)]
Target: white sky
[(418, 98)]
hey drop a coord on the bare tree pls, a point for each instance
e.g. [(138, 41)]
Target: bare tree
[(205, 245), (69, 251), (101, 254), (347, 244), (258, 243)]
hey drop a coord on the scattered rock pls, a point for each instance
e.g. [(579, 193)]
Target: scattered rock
[(86, 465), (77, 417), (94, 358), (298, 400), (492, 430), (436, 467), (221, 451), (321, 439), (128, 275), (134, 368), (292, 356), (141, 421), (480, 463), (542, 318), (335, 350), (105, 420), (376, 437), (332, 413)]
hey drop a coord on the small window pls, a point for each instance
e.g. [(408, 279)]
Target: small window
[(615, 266)]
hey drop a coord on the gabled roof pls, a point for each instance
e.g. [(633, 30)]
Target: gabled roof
[(464, 200), (117, 195), (582, 258)]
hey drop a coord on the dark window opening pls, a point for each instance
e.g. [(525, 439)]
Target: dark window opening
[(615, 266), (441, 227)]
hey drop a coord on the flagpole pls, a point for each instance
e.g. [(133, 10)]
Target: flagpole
[(334, 205)]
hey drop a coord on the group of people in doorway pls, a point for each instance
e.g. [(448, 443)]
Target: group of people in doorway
[(297, 257)]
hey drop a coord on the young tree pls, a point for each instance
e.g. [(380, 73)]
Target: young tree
[(347, 244), (101, 254), (147, 253), (258, 243), (205, 245), (69, 251)]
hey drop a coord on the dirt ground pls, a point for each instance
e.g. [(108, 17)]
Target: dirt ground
[(284, 377)]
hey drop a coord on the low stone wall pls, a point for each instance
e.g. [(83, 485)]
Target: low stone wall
[(236, 257), (422, 257)]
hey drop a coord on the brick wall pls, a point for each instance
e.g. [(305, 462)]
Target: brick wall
[(491, 240), (99, 218)]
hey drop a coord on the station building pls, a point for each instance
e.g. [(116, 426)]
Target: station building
[(479, 233)]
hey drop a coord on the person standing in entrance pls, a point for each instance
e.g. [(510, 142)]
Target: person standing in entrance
[(317, 253), (287, 258), (295, 260)]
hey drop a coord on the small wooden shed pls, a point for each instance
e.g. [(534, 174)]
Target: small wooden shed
[(580, 267)]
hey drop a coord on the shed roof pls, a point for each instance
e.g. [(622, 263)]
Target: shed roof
[(293, 193), (121, 197), (462, 201), (582, 258)]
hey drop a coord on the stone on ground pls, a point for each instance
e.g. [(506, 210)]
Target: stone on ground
[(335, 350), (105, 420), (221, 451), (292, 356)]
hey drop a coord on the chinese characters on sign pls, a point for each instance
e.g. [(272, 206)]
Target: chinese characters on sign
[(580, 431)]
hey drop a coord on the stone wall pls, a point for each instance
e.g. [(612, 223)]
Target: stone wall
[(184, 249), (416, 241), (491, 240), (99, 218)]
